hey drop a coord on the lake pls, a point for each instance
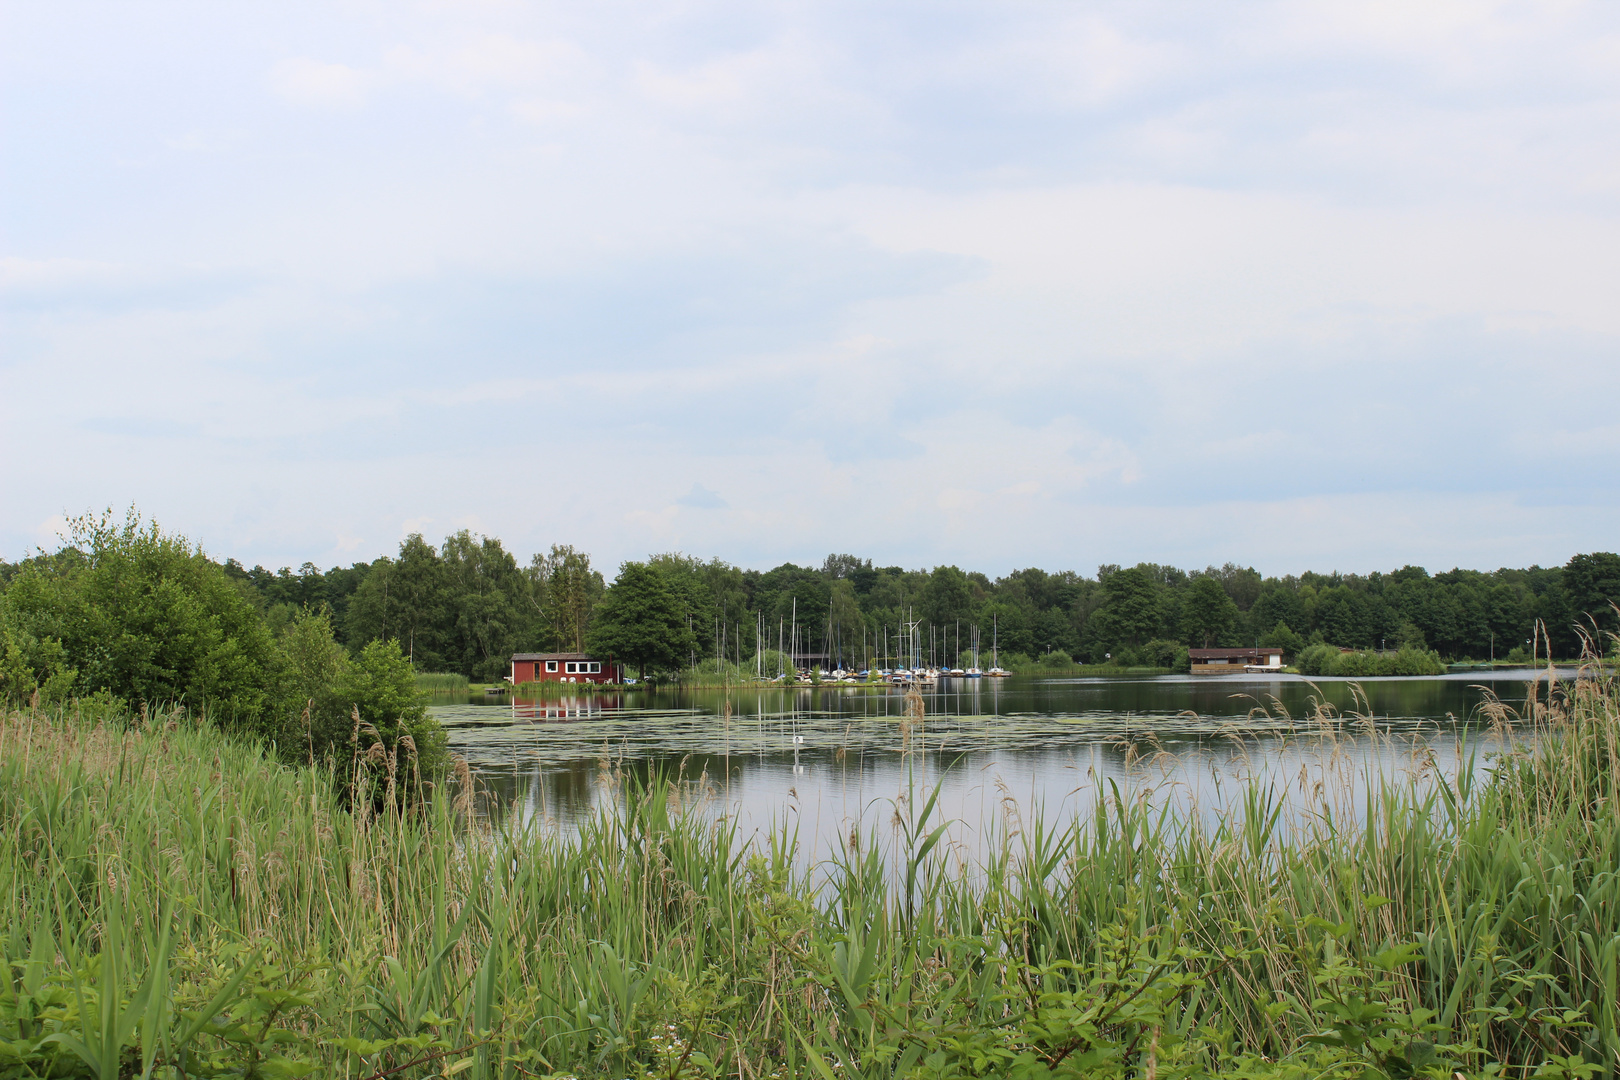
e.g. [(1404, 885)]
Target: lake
[(822, 760)]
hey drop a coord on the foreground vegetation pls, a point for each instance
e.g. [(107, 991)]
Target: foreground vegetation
[(178, 904), (126, 615)]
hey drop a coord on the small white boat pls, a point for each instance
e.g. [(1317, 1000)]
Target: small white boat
[(973, 673)]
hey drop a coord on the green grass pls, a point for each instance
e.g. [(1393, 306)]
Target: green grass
[(173, 899), (441, 683)]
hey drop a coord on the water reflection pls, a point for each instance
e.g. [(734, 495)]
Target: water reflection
[(824, 759), (571, 707)]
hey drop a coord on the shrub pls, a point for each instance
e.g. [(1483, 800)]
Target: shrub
[(140, 614), (1318, 660), (1330, 661), (325, 702), (1164, 653)]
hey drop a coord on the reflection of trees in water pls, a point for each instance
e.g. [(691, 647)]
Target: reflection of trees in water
[(1229, 696)]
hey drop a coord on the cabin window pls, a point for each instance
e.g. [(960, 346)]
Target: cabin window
[(551, 666), (573, 667), (593, 668)]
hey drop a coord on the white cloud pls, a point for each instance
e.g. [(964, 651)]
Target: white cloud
[(979, 281), (304, 81)]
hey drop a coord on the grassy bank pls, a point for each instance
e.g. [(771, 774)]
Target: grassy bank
[(178, 903), (429, 682)]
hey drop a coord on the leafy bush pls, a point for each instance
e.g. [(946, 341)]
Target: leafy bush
[(1329, 661), (1164, 653), (145, 618), (140, 614), (1318, 660), (329, 708)]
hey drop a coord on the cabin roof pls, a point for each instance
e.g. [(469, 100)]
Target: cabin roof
[(552, 656)]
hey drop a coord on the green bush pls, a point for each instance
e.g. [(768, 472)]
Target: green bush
[(1327, 660), (140, 614), (1317, 660), (135, 615), (1163, 653)]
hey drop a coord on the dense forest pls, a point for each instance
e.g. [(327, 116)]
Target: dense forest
[(467, 604)]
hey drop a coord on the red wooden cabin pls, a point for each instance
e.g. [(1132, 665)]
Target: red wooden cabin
[(566, 667)]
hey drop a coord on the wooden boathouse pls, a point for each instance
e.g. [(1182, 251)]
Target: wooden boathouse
[(1235, 661)]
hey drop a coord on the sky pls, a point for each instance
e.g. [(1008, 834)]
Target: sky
[(1004, 284)]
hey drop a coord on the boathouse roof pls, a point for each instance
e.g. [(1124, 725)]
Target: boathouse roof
[(1232, 654)]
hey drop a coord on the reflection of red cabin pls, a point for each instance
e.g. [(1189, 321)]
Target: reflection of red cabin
[(567, 667)]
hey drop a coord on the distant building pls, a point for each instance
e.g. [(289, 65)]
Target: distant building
[(565, 667), (1232, 661)]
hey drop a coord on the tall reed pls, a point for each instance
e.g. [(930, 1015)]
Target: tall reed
[(1416, 923), (431, 682)]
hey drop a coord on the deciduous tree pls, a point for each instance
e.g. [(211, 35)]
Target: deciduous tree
[(640, 621)]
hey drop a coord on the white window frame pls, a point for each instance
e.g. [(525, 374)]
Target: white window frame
[(551, 667)]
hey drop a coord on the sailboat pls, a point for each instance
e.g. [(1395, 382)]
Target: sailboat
[(974, 672), (995, 671)]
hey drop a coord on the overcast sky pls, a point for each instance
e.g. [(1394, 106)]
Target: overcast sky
[(1302, 286)]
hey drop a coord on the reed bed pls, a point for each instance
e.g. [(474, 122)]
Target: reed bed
[(430, 682), (178, 904)]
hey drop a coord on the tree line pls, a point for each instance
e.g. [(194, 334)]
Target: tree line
[(468, 604)]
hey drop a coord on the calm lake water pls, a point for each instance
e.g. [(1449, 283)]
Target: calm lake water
[(824, 760)]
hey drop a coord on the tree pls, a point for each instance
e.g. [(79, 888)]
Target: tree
[(1241, 583), (407, 599), (571, 590), (1004, 627), (140, 614), (1592, 585), (1281, 637), (380, 686), (1207, 612), (486, 595), (307, 717), (845, 621), (640, 621), (947, 597), (1131, 610)]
